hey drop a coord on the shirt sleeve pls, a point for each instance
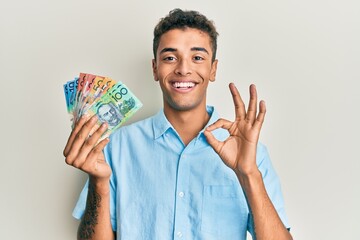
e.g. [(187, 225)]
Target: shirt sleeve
[(272, 186), (80, 206)]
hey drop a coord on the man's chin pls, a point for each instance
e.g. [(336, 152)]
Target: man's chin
[(183, 107)]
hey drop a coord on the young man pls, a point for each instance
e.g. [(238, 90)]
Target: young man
[(183, 173)]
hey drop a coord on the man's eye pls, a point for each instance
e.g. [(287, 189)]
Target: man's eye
[(198, 58), (169, 58)]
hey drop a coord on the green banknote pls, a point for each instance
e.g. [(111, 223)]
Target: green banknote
[(115, 108)]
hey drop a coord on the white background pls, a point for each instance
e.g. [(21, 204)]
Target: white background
[(304, 57)]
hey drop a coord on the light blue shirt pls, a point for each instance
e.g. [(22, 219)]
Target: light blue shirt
[(162, 189)]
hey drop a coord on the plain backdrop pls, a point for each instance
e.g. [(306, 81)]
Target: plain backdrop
[(304, 57)]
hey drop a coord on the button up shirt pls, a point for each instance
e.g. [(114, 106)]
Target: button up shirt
[(162, 189)]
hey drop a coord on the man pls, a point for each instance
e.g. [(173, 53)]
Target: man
[(183, 173)]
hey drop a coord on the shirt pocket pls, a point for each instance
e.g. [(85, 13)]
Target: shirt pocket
[(224, 212)]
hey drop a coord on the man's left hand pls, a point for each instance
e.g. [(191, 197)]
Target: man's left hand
[(238, 151)]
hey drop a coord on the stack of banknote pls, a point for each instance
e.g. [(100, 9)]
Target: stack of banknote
[(110, 100)]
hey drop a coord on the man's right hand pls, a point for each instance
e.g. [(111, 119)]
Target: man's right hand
[(82, 152)]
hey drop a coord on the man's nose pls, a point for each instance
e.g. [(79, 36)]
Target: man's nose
[(183, 68)]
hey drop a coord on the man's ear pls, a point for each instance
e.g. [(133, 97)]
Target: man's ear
[(154, 68), (213, 70)]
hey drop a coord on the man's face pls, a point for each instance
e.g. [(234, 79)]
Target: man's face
[(108, 114), (184, 68)]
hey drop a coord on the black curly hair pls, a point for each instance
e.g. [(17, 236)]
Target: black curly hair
[(179, 19)]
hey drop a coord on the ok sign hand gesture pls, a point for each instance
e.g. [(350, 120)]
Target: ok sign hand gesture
[(238, 151)]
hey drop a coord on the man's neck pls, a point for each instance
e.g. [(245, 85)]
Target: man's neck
[(188, 124)]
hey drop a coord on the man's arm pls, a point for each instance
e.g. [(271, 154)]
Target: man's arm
[(238, 152), (95, 223), (267, 223), (83, 152)]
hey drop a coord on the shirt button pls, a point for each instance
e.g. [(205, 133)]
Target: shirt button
[(179, 234), (181, 194)]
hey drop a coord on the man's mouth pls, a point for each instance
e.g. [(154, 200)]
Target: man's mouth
[(183, 85)]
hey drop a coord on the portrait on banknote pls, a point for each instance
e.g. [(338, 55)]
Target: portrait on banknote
[(109, 113)]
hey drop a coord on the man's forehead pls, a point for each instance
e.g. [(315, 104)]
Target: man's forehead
[(192, 37)]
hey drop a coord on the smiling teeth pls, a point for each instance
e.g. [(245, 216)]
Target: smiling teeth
[(183, 84)]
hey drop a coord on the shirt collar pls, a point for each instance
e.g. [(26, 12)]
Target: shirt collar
[(161, 124)]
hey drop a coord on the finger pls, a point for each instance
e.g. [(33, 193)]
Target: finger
[(98, 148), (238, 102), (252, 108), (214, 143), (79, 140), (93, 156), (261, 116), (91, 141), (73, 134), (220, 123)]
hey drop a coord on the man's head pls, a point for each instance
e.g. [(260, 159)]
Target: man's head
[(184, 61), (179, 19)]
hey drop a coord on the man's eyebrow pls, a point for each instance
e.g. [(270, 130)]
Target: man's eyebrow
[(199, 49), (168, 50), (196, 49)]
